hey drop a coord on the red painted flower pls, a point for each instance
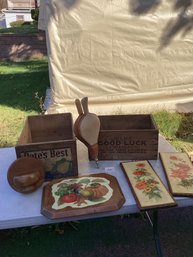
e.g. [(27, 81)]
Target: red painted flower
[(173, 157), (140, 185), (140, 165), (182, 174), (183, 166), (139, 173)]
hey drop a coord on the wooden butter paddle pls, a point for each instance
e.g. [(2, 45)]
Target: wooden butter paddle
[(86, 128)]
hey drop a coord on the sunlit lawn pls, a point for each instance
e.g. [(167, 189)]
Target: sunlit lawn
[(19, 85), (24, 29), (21, 82)]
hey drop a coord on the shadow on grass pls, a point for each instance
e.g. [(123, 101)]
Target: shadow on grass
[(92, 238), (19, 83), (104, 237)]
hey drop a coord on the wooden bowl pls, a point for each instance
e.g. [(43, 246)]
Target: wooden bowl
[(26, 174)]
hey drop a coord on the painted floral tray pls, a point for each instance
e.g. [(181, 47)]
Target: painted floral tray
[(83, 195), (179, 173), (147, 188)]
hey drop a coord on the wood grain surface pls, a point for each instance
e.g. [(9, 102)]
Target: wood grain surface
[(26, 174)]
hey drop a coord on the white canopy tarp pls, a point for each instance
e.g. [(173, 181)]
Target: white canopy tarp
[(125, 55)]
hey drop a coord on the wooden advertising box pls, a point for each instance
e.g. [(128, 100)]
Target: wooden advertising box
[(50, 138), (124, 137)]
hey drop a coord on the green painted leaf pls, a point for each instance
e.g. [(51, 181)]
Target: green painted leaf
[(97, 199), (60, 161), (98, 180), (84, 181), (73, 181), (94, 184)]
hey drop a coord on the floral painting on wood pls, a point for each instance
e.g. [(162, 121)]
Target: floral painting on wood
[(179, 172), (147, 187)]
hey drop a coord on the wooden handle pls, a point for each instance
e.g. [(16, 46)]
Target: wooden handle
[(78, 106), (84, 103), (87, 127), (93, 151)]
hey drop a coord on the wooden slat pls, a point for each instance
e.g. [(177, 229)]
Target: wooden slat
[(125, 122), (51, 127), (25, 137), (124, 137), (50, 138)]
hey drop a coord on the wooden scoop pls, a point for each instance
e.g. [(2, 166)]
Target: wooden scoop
[(86, 128)]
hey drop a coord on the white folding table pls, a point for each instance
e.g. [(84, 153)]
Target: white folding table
[(22, 210)]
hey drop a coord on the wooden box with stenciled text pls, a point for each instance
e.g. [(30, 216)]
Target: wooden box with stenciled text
[(128, 137), (50, 138)]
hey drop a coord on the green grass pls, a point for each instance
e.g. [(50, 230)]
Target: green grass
[(177, 129), (24, 29), (19, 84)]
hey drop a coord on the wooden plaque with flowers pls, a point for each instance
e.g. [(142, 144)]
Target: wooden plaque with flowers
[(147, 188), (179, 173)]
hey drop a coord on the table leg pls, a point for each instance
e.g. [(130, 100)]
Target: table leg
[(154, 225)]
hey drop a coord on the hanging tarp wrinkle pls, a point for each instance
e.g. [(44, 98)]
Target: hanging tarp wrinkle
[(126, 56)]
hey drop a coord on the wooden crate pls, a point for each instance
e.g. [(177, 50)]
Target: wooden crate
[(50, 138), (128, 137)]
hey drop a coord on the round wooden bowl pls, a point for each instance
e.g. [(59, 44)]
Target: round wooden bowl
[(26, 174)]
